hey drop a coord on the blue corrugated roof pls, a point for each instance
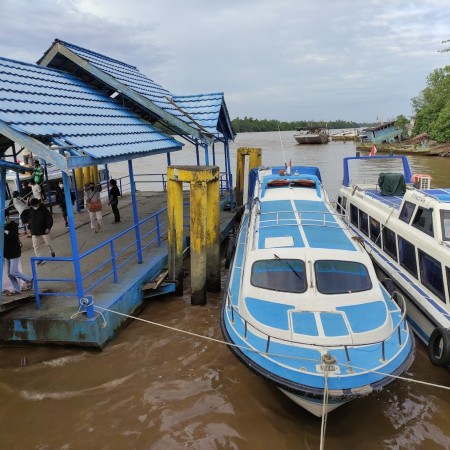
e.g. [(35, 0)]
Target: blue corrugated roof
[(204, 112), (44, 102)]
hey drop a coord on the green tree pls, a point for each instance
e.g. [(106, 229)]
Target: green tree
[(402, 122), (432, 104)]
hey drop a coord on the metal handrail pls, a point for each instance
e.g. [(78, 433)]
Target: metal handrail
[(346, 347)]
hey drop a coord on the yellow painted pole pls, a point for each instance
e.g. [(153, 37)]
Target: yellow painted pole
[(94, 175), (213, 237), (79, 184), (254, 158), (86, 175), (240, 161), (175, 228), (198, 242)]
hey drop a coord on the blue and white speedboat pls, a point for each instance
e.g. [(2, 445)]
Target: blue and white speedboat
[(303, 306), (405, 226)]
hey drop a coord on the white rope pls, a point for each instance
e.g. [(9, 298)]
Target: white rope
[(219, 341), (323, 425)]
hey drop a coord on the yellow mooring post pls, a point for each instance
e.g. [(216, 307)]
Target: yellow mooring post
[(86, 175), (204, 228), (254, 154), (94, 175)]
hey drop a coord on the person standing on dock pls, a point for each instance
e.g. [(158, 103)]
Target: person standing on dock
[(41, 222), (12, 251), (61, 200), (37, 191), (114, 195), (94, 206), (24, 212)]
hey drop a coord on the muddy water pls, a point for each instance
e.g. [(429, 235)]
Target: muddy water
[(155, 388)]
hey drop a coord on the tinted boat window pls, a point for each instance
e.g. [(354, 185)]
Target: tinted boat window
[(287, 275), (445, 219), (375, 231), (340, 277), (407, 212), (364, 222), (407, 256), (431, 274), (389, 244), (423, 220), (354, 215)]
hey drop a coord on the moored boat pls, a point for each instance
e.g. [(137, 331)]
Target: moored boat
[(303, 307), (312, 135), (405, 226)]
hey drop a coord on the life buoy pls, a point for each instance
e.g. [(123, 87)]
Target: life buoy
[(439, 347), (275, 183), (304, 182)]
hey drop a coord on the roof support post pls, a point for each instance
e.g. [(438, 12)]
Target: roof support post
[(135, 211), (205, 146), (254, 154), (2, 221), (196, 153)]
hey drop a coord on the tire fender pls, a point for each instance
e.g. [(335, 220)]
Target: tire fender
[(439, 347)]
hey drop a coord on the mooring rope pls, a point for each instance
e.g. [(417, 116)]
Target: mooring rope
[(229, 344)]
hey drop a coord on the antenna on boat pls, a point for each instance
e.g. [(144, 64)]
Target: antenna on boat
[(282, 148)]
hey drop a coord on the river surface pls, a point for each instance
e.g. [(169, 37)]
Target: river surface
[(156, 388)]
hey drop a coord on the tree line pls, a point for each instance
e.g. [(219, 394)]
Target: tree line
[(249, 124)]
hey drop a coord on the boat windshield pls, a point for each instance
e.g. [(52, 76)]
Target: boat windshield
[(445, 218), (341, 277), (287, 275)]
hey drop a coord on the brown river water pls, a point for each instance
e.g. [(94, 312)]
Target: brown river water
[(157, 388)]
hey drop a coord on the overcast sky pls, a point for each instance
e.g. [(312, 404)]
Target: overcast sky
[(359, 60)]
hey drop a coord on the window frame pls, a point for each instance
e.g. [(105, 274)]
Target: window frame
[(413, 271), (376, 239), (440, 295), (444, 238), (354, 208), (409, 213), (364, 222), (385, 249), (416, 219)]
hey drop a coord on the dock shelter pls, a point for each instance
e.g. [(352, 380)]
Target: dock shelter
[(79, 116)]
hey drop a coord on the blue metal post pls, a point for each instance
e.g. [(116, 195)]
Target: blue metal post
[(214, 154), (228, 169), (168, 159), (2, 220), (73, 236), (205, 146), (135, 211), (196, 153), (107, 178)]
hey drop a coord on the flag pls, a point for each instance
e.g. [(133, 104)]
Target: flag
[(373, 150), (288, 170)]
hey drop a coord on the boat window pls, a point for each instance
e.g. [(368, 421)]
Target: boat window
[(375, 231), (445, 220), (340, 277), (447, 270), (389, 244), (407, 211), (431, 274), (354, 215), (339, 203), (364, 222), (407, 256), (287, 275), (423, 220), (344, 204)]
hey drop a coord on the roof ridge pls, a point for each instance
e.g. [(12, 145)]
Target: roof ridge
[(90, 52)]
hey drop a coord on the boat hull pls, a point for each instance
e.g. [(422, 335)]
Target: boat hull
[(313, 139)]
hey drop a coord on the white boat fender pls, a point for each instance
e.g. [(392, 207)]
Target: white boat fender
[(439, 347)]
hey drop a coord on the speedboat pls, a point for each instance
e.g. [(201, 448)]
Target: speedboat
[(312, 135), (303, 306), (405, 226)]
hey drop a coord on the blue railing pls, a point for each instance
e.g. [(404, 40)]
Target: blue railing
[(110, 257)]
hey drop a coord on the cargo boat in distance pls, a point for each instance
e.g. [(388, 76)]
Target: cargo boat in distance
[(303, 306), (312, 135), (405, 226)]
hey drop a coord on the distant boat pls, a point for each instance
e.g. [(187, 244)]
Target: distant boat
[(303, 306), (312, 135)]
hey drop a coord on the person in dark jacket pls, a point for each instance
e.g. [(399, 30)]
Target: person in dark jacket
[(12, 251), (114, 195), (41, 222), (61, 200)]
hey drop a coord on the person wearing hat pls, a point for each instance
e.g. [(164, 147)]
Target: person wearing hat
[(41, 222), (12, 251)]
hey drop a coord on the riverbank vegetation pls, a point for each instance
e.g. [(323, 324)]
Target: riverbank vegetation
[(248, 124)]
